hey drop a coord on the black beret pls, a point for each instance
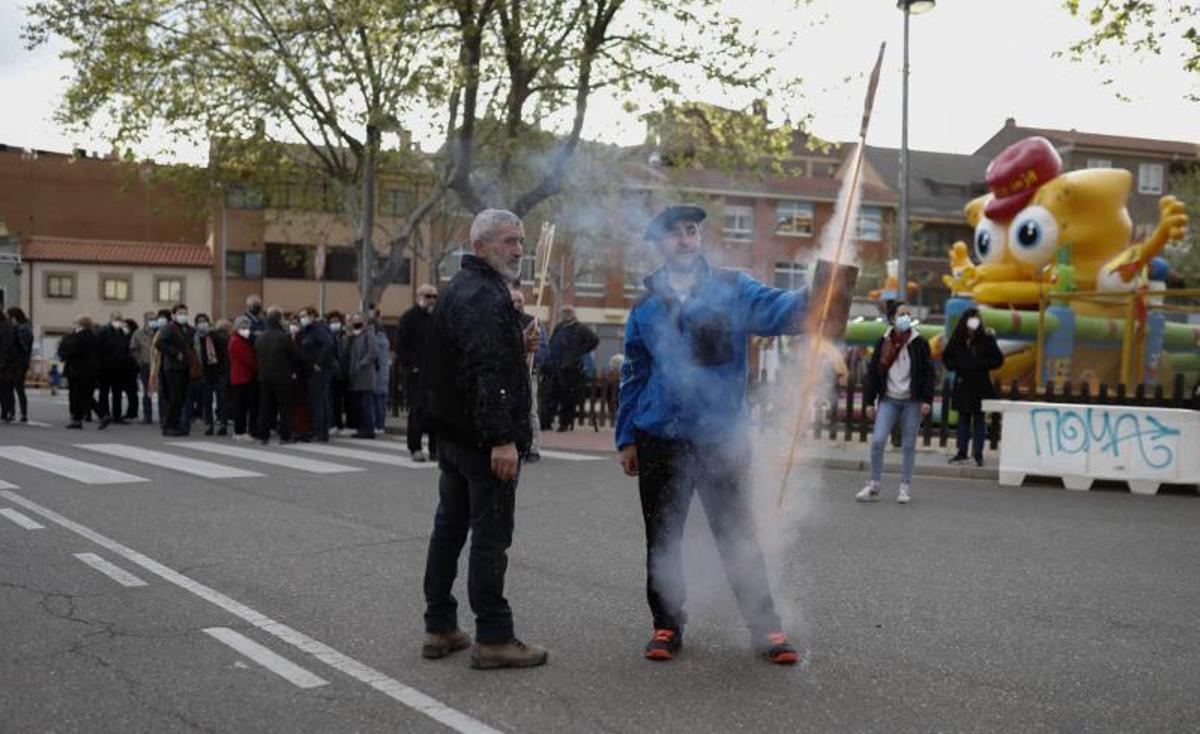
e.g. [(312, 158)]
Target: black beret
[(669, 217)]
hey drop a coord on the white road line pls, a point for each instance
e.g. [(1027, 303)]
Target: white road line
[(394, 689), (36, 424), (267, 457), (568, 456), (376, 457), (205, 469), (6, 485), (379, 443), (80, 471), (23, 520), (111, 570), (277, 664)]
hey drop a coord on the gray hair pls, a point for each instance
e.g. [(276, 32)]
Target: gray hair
[(241, 322), (486, 222)]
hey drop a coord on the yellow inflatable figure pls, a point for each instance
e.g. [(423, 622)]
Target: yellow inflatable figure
[(1034, 209)]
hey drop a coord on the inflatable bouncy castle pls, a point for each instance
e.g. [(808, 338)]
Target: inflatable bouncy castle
[(1055, 274)]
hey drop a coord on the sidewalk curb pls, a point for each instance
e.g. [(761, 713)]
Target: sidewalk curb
[(839, 464)]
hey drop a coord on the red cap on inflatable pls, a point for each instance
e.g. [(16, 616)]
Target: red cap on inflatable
[(1017, 173)]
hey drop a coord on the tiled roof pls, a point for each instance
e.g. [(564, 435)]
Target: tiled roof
[(1118, 142), (63, 249)]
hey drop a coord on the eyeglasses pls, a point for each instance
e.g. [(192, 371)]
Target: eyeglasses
[(429, 297)]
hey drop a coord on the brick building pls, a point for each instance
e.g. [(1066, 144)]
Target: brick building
[(97, 236)]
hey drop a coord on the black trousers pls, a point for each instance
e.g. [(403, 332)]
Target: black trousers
[(112, 387), (7, 403), (175, 389), (669, 472), (130, 385), (275, 409), (419, 423), (81, 398), (470, 498), (245, 407)]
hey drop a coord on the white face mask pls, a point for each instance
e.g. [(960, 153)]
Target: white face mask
[(305, 321), (245, 333), (973, 323), (181, 318), (294, 328), (118, 324), (335, 326)]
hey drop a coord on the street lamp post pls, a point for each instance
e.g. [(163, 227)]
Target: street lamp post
[(910, 8)]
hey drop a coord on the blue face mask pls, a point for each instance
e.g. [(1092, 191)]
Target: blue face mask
[(903, 322)]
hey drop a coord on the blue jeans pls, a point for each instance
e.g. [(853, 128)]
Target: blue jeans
[(908, 412), (147, 401), (971, 426), (380, 411)]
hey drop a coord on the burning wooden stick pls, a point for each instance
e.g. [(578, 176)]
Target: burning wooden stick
[(815, 327), (541, 261)]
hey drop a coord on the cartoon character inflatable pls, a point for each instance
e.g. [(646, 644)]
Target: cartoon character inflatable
[(1034, 210)]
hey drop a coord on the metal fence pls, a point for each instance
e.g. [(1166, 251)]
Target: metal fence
[(844, 418)]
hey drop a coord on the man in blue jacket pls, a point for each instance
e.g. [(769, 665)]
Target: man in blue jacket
[(682, 423)]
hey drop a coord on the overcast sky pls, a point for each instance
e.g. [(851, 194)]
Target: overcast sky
[(974, 63)]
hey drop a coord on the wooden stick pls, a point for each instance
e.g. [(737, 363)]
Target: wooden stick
[(544, 249), (816, 334)]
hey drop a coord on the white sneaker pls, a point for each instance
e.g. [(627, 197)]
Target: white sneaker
[(420, 456), (869, 493), (903, 498)]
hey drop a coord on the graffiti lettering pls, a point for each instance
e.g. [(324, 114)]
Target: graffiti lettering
[(1070, 431)]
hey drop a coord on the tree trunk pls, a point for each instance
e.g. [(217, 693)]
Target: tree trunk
[(365, 240)]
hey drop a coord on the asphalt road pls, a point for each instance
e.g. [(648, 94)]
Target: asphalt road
[(290, 601)]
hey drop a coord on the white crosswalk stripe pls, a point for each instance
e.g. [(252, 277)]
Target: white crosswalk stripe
[(205, 469), (375, 457), (397, 446), (299, 463), (80, 471), (6, 485)]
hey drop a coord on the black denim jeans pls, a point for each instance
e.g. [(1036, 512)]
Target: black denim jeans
[(471, 498), (669, 472)]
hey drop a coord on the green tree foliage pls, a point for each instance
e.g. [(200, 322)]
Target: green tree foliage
[(1141, 26), (1184, 255), (306, 90)]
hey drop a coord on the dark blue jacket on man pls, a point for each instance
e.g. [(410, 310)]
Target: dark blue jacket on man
[(319, 347), (686, 362)]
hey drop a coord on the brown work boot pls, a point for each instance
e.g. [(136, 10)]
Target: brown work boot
[(438, 645), (512, 654)]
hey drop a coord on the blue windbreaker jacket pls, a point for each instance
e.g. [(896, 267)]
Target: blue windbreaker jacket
[(686, 363)]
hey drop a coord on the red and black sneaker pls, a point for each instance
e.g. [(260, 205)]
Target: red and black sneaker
[(664, 644), (779, 649)]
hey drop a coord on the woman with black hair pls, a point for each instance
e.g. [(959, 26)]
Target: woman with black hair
[(901, 376), (971, 353)]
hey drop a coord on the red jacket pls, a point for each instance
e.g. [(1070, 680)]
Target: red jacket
[(243, 367)]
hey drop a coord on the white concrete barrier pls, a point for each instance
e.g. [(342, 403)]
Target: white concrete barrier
[(1082, 443)]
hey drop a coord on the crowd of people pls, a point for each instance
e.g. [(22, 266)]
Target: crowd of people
[(301, 377)]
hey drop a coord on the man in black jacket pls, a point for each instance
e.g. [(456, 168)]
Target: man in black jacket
[(116, 363), (412, 339), (177, 369), (279, 362), (479, 402), (79, 351), (563, 376)]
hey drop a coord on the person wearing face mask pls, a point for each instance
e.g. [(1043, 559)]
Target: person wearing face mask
[(319, 348), (901, 377), (279, 362), (180, 368), (362, 359), (141, 346), (212, 350), (79, 350), (116, 363), (243, 381), (971, 354), (254, 315), (339, 404), (412, 341), (130, 378), (157, 384)]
